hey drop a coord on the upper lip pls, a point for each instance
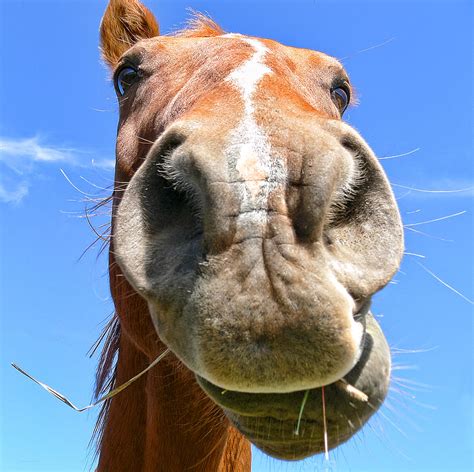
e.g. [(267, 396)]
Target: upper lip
[(361, 310)]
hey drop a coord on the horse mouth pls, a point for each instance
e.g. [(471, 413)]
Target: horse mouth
[(277, 423)]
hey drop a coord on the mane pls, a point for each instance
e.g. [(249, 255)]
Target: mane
[(199, 26), (106, 373)]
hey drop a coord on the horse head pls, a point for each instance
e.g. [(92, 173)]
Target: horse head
[(251, 226)]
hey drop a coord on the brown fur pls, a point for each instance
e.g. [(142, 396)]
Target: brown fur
[(199, 26), (125, 23)]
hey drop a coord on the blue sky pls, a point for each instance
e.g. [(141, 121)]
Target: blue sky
[(411, 63)]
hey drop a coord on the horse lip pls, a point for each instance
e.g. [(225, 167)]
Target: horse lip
[(223, 391), (263, 440), (280, 412), (359, 317)]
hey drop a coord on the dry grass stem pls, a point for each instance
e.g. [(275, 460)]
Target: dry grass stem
[(353, 392), (110, 394)]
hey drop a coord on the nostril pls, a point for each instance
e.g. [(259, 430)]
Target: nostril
[(175, 167), (307, 214), (169, 142), (168, 198), (182, 181), (351, 143), (303, 227)]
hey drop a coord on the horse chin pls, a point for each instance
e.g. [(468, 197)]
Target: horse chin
[(270, 420)]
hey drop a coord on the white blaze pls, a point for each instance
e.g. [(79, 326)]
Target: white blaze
[(249, 153)]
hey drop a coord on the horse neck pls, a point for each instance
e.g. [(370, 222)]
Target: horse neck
[(163, 422)]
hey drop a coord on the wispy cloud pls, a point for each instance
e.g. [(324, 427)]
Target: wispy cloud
[(15, 194), (22, 159), (106, 164)]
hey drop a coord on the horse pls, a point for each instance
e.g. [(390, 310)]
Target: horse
[(250, 228)]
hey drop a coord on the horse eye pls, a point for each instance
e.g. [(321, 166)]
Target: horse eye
[(341, 98), (125, 77)]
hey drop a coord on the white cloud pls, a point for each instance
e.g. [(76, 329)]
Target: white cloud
[(15, 195), (106, 164), (14, 151), (22, 159)]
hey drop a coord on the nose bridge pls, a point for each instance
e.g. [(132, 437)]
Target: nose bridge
[(258, 169), (260, 172), (255, 182)]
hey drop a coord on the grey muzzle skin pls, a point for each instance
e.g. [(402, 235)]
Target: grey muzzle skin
[(264, 301)]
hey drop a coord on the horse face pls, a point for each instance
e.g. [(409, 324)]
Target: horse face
[(255, 223)]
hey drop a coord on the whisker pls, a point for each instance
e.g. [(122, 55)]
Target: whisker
[(396, 367), (403, 394), (428, 235), (325, 426), (411, 384), (400, 155), (74, 186), (398, 350), (403, 196), (406, 414), (423, 190), (459, 213), (389, 40), (102, 110), (390, 421), (445, 284), (94, 185), (414, 254)]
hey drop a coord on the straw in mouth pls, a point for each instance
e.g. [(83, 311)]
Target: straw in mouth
[(352, 391), (102, 399)]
